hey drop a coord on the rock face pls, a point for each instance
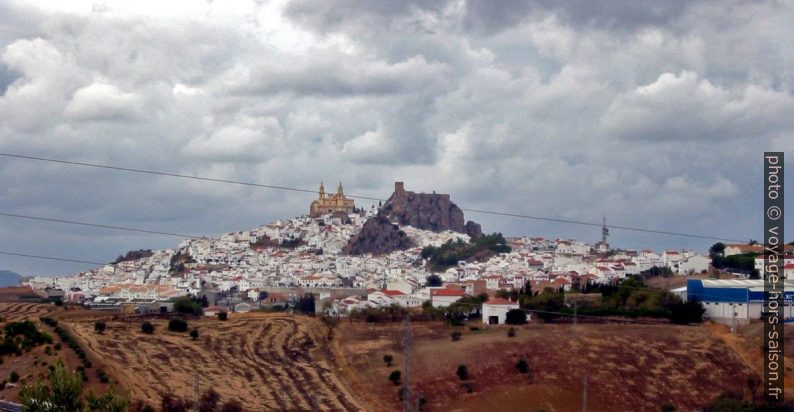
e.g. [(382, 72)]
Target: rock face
[(134, 255), (378, 236), (434, 212), (421, 210)]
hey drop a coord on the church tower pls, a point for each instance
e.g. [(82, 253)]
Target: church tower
[(331, 203)]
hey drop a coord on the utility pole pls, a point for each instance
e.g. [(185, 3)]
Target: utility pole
[(576, 336), (407, 333), (195, 387)]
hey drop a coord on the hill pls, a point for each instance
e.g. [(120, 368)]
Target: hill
[(8, 278), (628, 367)]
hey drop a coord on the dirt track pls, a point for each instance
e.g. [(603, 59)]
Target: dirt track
[(268, 362)]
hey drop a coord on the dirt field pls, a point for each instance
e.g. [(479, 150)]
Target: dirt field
[(279, 361), (628, 367), (34, 364), (267, 361)]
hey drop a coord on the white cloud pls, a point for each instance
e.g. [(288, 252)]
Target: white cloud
[(101, 101)]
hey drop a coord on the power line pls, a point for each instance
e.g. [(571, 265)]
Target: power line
[(71, 222), (158, 173), (52, 258), (293, 189)]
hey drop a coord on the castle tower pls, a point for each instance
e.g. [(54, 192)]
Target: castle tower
[(339, 190), (322, 190)]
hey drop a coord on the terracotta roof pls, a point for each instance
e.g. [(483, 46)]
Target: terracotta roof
[(446, 292), (499, 301), (393, 293)]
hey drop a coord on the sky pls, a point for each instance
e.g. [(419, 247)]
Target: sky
[(655, 115)]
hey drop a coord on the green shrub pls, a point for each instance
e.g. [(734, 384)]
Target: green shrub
[(100, 326), (522, 365), (395, 376), (147, 327), (177, 325), (463, 372)]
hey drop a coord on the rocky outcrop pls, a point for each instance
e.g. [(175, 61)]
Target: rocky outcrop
[(427, 211), (134, 255), (378, 236)]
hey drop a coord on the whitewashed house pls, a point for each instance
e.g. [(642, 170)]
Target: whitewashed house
[(494, 311)]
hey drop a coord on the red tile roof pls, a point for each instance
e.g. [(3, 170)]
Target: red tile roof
[(446, 292), (499, 301)]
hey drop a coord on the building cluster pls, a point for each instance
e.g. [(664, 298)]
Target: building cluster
[(305, 254)]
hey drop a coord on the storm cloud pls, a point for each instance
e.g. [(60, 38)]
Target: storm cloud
[(651, 115)]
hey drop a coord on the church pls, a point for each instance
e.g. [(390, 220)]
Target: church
[(331, 203)]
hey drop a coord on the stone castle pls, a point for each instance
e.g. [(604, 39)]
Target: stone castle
[(331, 203)]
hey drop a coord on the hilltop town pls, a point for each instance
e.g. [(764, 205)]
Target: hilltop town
[(274, 263)]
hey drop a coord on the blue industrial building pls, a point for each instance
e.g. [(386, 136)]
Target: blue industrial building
[(742, 298)]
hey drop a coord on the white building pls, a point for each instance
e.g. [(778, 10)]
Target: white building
[(494, 311), (442, 298)]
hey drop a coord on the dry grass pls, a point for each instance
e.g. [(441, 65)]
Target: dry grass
[(266, 361), (629, 367)]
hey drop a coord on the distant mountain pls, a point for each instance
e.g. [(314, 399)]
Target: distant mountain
[(8, 278)]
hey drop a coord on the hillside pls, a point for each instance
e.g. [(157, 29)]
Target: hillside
[(378, 236), (8, 278), (628, 367), (266, 361)]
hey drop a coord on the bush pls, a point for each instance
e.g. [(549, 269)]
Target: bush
[(511, 332), (209, 401), (395, 376), (147, 327), (194, 333), (103, 376), (14, 377), (177, 325), (516, 317), (222, 315), (100, 326), (683, 313), (174, 404), (388, 359), (463, 372), (232, 405), (187, 306), (456, 335), (523, 366)]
